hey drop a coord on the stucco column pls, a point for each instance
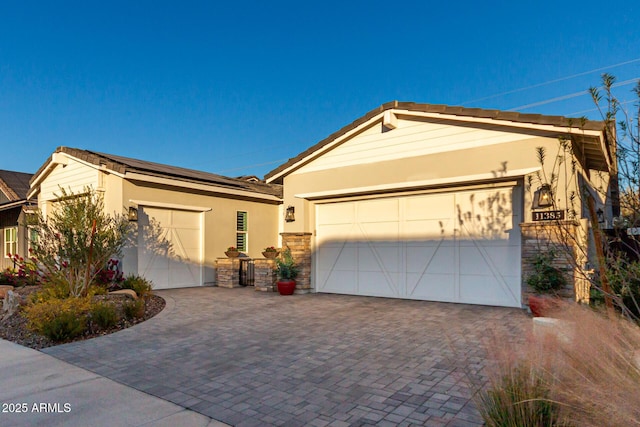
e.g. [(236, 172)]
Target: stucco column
[(300, 246)]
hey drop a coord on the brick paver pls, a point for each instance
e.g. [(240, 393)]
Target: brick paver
[(250, 358)]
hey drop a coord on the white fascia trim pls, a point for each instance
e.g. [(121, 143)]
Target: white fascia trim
[(212, 188), (416, 184), (170, 206)]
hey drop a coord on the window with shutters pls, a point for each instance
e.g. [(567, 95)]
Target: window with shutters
[(241, 231)]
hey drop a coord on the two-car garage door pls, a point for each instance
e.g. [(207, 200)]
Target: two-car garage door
[(454, 247)]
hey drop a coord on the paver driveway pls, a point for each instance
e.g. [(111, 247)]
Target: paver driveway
[(250, 358)]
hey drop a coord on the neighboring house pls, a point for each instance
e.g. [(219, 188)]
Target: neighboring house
[(195, 215), (13, 206), (432, 202)]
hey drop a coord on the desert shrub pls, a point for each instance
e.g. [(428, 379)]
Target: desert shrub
[(140, 285), (520, 398), (64, 326), (545, 278), (58, 319), (103, 315), (134, 309), (589, 373), (109, 277), (52, 289), (77, 239)]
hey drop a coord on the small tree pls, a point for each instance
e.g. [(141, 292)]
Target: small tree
[(77, 239)]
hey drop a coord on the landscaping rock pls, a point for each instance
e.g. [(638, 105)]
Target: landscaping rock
[(10, 304), (128, 292), (4, 289)]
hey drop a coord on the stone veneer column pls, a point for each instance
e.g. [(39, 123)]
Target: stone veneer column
[(562, 236), (228, 272), (264, 275), (300, 246)]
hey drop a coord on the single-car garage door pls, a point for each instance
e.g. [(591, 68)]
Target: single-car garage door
[(454, 247), (170, 247)]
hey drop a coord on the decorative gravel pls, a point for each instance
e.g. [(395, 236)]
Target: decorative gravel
[(14, 328)]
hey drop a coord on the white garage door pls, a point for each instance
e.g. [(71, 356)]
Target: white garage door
[(170, 247), (454, 247)]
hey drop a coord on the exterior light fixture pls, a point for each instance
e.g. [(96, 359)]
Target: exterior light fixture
[(290, 214), (133, 214), (543, 197), (600, 215)]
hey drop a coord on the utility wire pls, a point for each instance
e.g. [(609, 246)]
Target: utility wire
[(561, 79), (572, 95)]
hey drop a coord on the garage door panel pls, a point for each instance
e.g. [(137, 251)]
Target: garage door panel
[(431, 286), (334, 234), (434, 258), (377, 211), (337, 281), (378, 258), (374, 284), (478, 290)]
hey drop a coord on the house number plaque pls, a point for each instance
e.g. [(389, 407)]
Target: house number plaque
[(548, 215)]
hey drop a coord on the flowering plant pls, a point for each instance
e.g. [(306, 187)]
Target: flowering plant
[(232, 249), (270, 249)]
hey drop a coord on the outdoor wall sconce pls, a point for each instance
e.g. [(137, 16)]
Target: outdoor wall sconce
[(600, 215), (133, 214), (543, 197), (290, 215)]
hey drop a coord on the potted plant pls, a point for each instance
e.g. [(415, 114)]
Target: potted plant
[(546, 280), (286, 270), (232, 252), (271, 252)]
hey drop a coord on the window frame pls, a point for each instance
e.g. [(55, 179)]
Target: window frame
[(10, 244)]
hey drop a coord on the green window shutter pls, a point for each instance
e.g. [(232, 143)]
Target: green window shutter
[(241, 231)]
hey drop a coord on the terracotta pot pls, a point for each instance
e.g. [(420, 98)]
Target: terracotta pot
[(540, 306), (232, 254), (269, 254), (286, 287)]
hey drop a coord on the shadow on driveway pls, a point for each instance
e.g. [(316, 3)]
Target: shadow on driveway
[(249, 358)]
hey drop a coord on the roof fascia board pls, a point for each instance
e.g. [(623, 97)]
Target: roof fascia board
[(499, 122), (12, 204), (402, 186), (197, 186), (170, 206)]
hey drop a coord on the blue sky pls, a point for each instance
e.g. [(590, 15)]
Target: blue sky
[(239, 87)]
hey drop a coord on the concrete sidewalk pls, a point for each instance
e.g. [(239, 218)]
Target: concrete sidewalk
[(50, 392)]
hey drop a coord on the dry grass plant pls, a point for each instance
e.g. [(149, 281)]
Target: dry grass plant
[(587, 371)]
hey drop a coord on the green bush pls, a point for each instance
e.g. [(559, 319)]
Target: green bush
[(64, 326), (103, 315), (134, 309), (624, 279), (140, 285), (546, 278)]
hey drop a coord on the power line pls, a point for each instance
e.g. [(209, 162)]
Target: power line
[(561, 79), (572, 95)]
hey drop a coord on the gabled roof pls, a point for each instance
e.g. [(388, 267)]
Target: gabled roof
[(133, 167), (461, 113), (14, 185)]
